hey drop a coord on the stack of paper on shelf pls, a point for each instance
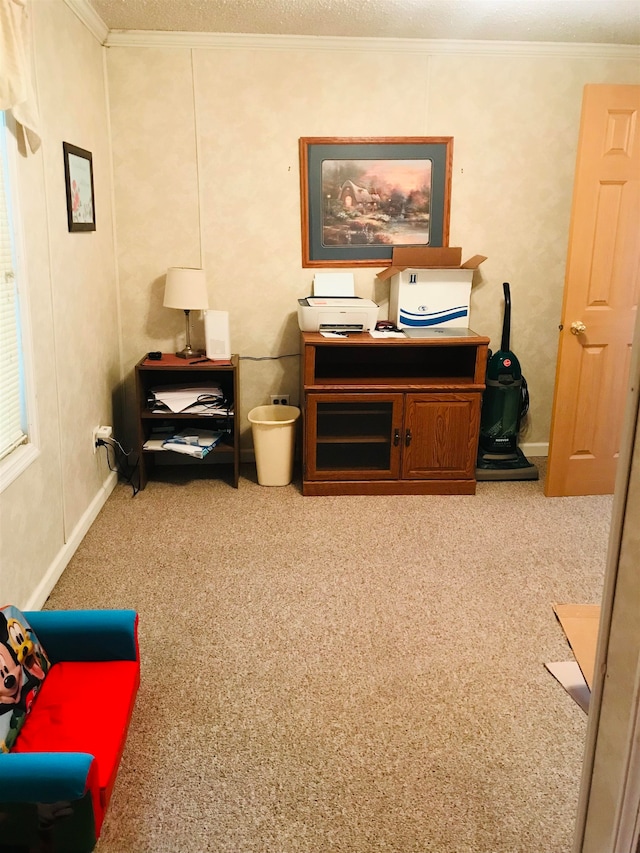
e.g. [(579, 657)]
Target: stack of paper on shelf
[(193, 442), (202, 399)]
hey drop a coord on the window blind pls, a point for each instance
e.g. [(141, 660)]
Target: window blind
[(12, 433)]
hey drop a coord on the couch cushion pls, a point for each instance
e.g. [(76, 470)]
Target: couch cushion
[(23, 667), (84, 707)]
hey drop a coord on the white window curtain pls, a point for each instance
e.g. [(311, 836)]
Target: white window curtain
[(12, 413), (16, 87)]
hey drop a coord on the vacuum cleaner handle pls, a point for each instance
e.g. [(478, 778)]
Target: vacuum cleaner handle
[(524, 402), (506, 325)]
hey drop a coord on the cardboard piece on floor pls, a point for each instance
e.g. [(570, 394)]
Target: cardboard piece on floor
[(570, 676), (580, 623)]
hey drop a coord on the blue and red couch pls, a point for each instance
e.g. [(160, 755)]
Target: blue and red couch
[(62, 733)]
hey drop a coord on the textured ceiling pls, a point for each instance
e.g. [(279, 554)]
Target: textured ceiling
[(579, 21)]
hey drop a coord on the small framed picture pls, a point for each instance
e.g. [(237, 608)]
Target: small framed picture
[(78, 175)]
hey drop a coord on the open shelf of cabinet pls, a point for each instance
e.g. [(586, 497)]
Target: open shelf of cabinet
[(391, 416), (170, 371)]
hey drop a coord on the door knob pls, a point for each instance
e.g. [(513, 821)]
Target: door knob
[(578, 327)]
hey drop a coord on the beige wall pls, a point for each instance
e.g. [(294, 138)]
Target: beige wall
[(74, 318), (206, 171)]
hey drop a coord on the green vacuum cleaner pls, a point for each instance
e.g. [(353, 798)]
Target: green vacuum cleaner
[(504, 403)]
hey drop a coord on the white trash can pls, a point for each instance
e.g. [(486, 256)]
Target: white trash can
[(274, 439)]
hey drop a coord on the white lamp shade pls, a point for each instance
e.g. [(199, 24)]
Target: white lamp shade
[(186, 288)]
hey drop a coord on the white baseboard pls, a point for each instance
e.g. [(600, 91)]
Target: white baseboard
[(64, 555), (535, 448)]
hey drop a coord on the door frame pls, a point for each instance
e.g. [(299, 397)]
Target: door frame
[(623, 833)]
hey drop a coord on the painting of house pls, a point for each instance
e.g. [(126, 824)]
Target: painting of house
[(354, 197)]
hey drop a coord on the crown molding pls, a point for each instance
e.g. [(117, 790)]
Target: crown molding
[(254, 41), (230, 41), (90, 18)]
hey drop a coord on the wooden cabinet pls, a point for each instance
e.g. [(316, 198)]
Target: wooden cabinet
[(391, 416), (173, 371)]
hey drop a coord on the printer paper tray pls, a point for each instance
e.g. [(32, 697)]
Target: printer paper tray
[(339, 327)]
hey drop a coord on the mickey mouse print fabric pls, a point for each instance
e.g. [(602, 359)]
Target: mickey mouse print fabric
[(23, 667)]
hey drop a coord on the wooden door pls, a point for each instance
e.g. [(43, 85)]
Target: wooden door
[(441, 436), (602, 283)]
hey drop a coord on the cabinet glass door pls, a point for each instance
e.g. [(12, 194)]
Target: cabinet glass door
[(354, 436)]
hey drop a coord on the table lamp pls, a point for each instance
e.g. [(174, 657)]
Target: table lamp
[(186, 288)]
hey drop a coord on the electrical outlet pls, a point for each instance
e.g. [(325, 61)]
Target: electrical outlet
[(279, 399), (100, 432)]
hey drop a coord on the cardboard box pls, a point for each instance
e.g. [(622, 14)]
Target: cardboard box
[(429, 286), (438, 257), (580, 623)]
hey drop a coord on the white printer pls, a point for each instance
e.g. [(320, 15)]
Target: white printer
[(334, 308)]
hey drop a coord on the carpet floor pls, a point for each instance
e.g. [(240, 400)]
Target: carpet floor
[(344, 674)]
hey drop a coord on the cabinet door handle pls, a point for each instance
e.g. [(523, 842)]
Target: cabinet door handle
[(407, 438), (396, 438)]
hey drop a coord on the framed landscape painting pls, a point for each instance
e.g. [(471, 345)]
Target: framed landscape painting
[(360, 197)]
